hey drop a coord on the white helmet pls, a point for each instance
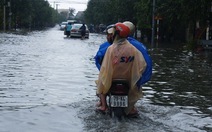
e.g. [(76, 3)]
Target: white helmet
[(131, 26)]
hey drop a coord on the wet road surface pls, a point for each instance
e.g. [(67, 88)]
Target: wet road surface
[(47, 85)]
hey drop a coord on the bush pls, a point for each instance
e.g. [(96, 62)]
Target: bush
[(191, 45)]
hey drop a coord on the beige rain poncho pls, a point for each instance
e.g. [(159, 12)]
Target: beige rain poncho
[(122, 61)]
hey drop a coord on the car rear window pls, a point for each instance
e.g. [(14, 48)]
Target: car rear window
[(77, 26)]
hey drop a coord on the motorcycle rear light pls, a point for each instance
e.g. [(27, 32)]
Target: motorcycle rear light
[(119, 89)]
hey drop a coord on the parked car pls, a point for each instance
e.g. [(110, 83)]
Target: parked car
[(63, 25), (75, 30)]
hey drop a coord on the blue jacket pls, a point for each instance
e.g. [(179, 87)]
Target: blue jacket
[(68, 27), (146, 76), (100, 54)]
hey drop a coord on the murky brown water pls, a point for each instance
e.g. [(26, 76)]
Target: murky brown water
[(47, 85)]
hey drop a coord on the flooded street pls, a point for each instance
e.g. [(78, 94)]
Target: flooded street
[(47, 85)]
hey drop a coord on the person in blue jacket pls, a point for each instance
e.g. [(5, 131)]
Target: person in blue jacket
[(68, 29), (146, 76), (103, 47)]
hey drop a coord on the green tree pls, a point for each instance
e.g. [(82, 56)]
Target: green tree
[(143, 13), (1, 13), (110, 11), (30, 14), (181, 16)]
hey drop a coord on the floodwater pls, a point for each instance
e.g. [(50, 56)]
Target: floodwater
[(47, 85)]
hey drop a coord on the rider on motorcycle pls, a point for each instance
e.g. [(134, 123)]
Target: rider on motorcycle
[(121, 61), (146, 76)]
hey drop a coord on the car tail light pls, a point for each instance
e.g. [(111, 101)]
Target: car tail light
[(73, 30)]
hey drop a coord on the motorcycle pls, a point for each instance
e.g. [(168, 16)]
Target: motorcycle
[(118, 97)]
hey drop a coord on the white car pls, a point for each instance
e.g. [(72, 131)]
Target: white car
[(63, 25), (75, 30)]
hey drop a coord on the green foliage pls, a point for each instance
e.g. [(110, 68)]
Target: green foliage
[(177, 15), (183, 11), (109, 11), (191, 45), (144, 13), (30, 14)]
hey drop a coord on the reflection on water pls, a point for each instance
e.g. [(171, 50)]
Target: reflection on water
[(183, 79), (47, 84)]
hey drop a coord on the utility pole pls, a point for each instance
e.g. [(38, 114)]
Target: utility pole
[(57, 7), (153, 23), (4, 18)]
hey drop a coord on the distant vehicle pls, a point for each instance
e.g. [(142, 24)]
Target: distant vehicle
[(63, 25), (75, 30), (72, 21)]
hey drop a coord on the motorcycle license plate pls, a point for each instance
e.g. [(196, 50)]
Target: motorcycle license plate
[(119, 101)]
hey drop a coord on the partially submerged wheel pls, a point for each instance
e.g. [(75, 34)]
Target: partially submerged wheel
[(118, 112)]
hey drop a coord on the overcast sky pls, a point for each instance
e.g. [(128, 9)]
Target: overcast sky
[(78, 5)]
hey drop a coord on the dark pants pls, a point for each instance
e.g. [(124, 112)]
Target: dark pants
[(67, 33), (82, 33)]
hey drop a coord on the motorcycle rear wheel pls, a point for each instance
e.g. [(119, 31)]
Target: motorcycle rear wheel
[(117, 112)]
